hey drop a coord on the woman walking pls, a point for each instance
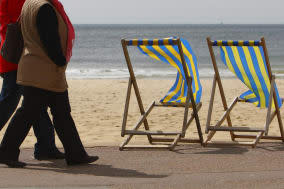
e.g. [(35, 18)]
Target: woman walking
[(11, 92), (48, 35)]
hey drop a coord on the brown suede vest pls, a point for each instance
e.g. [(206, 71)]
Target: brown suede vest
[(36, 69)]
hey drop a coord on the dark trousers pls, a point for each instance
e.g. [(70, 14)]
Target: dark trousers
[(34, 101), (9, 99)]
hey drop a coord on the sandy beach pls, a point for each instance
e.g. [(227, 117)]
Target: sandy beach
[(97, 108)]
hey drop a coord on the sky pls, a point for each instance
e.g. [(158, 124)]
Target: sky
[(175, 11)]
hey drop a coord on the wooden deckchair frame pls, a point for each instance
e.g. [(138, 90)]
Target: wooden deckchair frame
[(262, 132), (179, 135)]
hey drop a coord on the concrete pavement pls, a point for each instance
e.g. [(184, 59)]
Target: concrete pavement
[(189, 166)]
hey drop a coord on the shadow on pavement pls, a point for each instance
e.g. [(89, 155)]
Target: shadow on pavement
[(90, 169), (227, 149), (214, 150), (272, 147)]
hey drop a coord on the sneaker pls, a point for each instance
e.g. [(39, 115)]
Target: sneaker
[(52, 155), (86, 160)]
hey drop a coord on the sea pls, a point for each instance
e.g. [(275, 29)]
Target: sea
[(97, 52)]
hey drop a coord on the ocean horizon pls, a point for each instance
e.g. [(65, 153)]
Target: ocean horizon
[(97, 52)]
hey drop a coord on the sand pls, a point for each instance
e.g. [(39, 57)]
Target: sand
[(98, 104)]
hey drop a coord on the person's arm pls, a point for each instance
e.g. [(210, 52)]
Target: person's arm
[(47, 26)]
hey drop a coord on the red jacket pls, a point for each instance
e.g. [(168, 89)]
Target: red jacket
[(9, 13)]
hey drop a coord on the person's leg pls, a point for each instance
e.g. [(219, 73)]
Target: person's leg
[(44, 131), (45, 147), (9, 97), (34, 100), (66, 130)]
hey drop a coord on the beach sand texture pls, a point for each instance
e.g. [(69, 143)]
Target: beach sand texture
[(97, 109)]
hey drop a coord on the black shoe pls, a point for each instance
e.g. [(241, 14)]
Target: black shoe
[(52, 155), (86, 160), (13, 164)]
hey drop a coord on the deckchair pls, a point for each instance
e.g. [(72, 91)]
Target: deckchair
[(249, 62), (186, 92)]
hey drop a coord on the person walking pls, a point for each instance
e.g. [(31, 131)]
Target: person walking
[(48, 40), (45, 147)]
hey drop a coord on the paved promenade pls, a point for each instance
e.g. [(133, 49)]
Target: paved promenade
[(190, 166)]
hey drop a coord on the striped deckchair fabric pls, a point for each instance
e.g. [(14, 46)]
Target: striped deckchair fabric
[(151, 42), (246, 60), (236, 43), (167, 51)]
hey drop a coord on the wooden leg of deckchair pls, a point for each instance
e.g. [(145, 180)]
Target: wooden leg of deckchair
[(220, 86), (188, 96), (139, 100), (176, 140), (210, 109), (225, 115), (258, 137), (142, 119), (272, 116), (195, 114), (280, 125), (272, 78), (269, 108), (121, 147), (144, 116), (192, 116), (277, 110), (135, 86), (198, 107), (125, 114)]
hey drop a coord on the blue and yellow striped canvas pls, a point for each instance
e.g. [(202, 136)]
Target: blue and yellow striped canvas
[(247, 62), (236, 43), (164, 50)]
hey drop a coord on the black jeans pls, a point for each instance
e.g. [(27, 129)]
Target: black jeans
[(29, 113), (9, 99)]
